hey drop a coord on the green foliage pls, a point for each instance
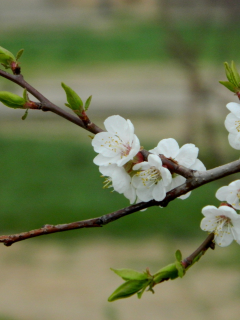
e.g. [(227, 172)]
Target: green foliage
[(74, 101), (12, 100), (233, 83), (6, 57)]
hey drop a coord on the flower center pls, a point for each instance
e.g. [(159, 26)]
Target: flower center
[(223, 221), (107, 183), (237, 124), (150, 176), (117, 145)]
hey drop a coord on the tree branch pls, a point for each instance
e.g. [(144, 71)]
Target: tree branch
[(199, 179), (47, 105)]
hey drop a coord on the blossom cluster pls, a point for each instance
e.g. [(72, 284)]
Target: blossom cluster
[(121, 162), (224, 221)]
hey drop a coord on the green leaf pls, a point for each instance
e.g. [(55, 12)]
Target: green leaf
[(25, 95), (180, 268), (25, 115), (11, 100), (6, 57), (228, 72), (235, 73), (229, 86), (178, 255), (19, 54), (127, 289), (74, 101), (87, 103), (129, 274), (166, 273)]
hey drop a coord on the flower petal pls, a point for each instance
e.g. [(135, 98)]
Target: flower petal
[(168, 147), (187, 155), (234, 108), (234, 140), (222, 193)]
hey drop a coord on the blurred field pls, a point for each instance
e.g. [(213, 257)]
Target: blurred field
[(73, 281)]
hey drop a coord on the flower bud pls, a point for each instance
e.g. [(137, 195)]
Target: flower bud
[(74, 101), (6, 57), (127, 289), (12, 100), (168, 272), (129, 274)]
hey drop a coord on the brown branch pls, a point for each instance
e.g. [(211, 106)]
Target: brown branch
[(47, 105), (199, 179), (172, 165), (207, 243)]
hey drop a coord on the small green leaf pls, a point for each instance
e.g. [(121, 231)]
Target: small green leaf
[(87, 103), (11, 100), (181, 270), (19, 54), (178, 255), (228, 72), (73, 99), (168, 272), (25, 95), (235, 73), (6, 57), (229, 86), (127, 289), (25, 115), (129, 274)]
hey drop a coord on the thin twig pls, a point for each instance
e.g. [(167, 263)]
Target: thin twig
[(47, 105)]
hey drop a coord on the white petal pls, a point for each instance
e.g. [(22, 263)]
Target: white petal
[(159, 192), (208, 224), (228, 212), (198, 165), (177, 181), (223, 238), (234, 140), (210, 211), (187, 155), (142, 166), (234, 108), (115, 125), (130, 194), (185, 196), (155, 161), (166, 176), (145, 194), (167, 147), (235, 184), (222, 193), (102, 144), (120, 180), (231, 123), (100, 160)]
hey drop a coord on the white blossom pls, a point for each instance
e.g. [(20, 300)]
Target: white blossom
[(224, 222), (230, 193), (118, 145), (232, 124), (185, 156), (151, 179), (120, 180)]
